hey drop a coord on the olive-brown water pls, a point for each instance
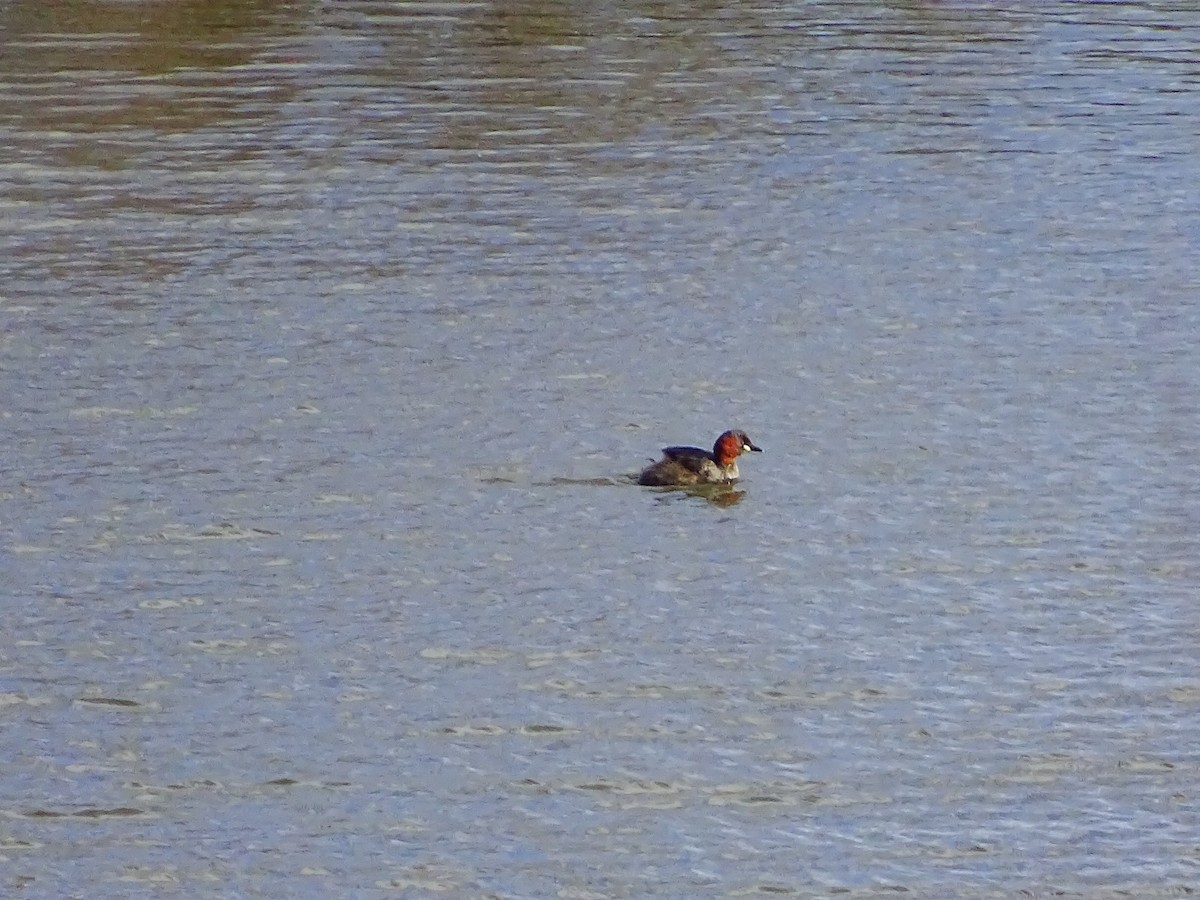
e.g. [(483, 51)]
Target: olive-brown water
[(331, 332)]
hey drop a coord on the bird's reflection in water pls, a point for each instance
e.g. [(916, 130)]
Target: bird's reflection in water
[(722, 495), (717, 494)]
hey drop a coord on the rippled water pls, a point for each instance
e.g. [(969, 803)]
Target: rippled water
[(331, 333)]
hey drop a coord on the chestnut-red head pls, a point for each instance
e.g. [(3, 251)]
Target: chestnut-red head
[(731, 445)]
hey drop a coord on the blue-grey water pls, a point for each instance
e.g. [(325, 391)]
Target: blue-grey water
[(331, 332)]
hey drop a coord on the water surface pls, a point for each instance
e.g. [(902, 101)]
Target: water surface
[(331, 334)]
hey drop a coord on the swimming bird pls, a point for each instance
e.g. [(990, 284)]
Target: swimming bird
[(684, 466)]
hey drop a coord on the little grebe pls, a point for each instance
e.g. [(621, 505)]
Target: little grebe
[(683, 466)]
